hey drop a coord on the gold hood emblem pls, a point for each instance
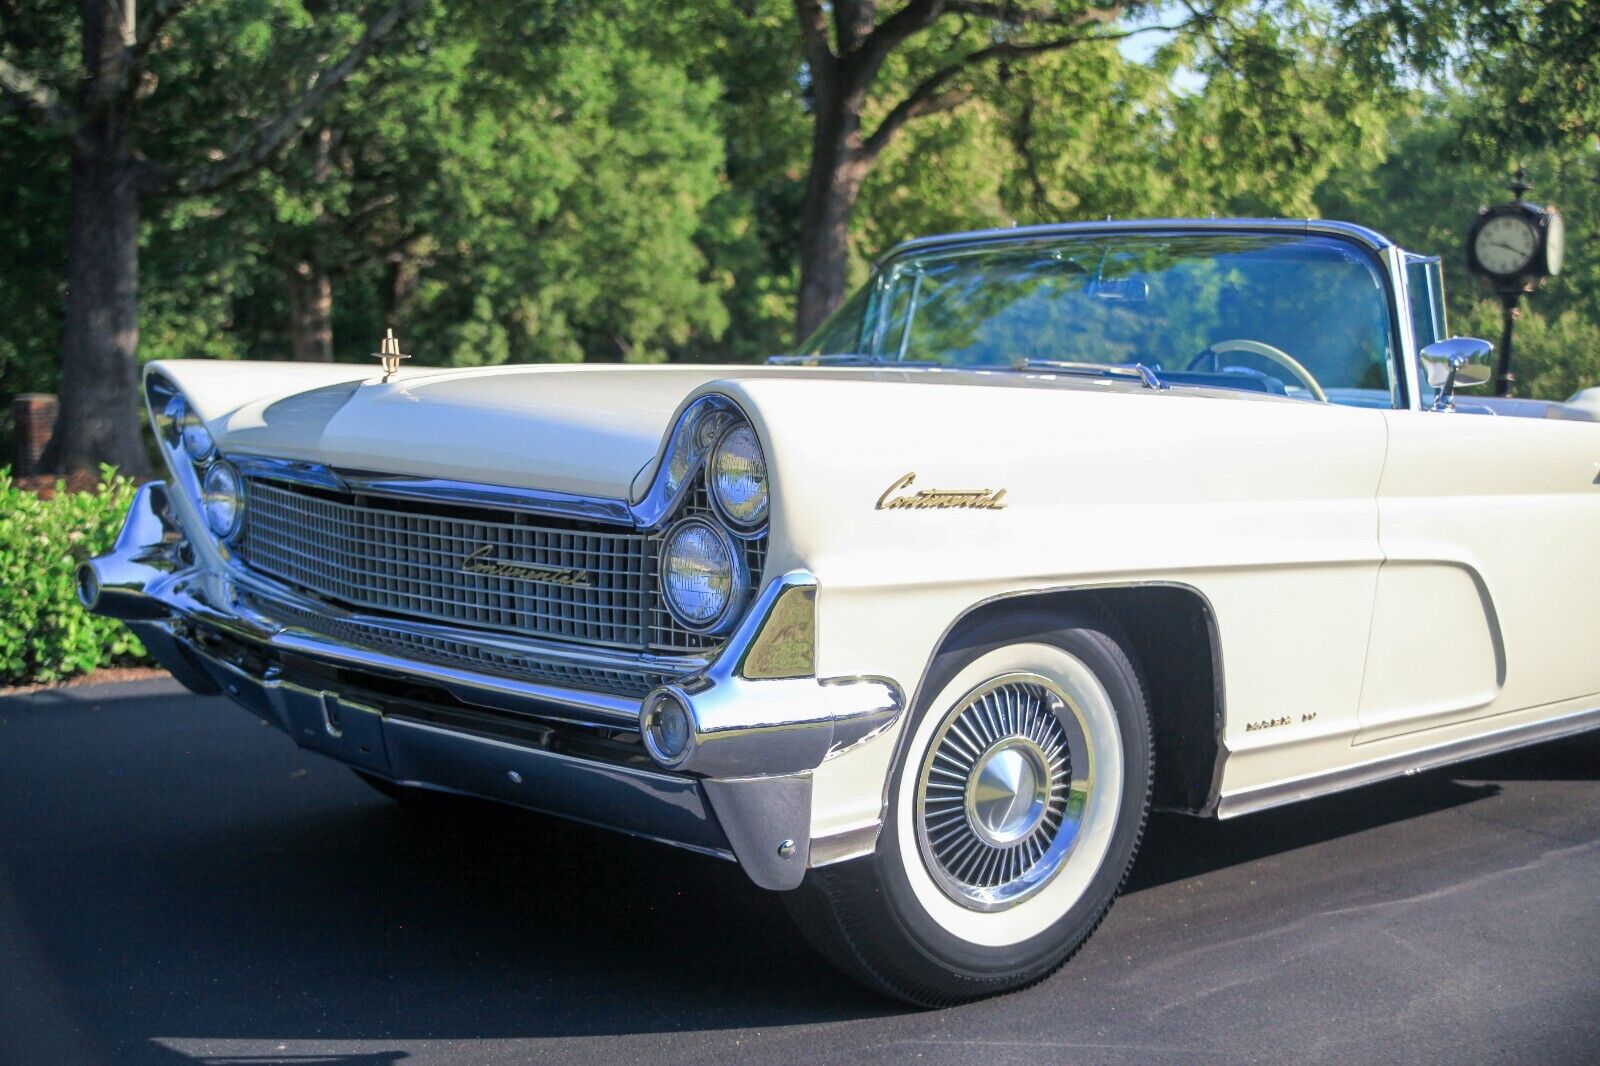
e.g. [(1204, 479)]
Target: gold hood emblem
[(389, 354), (482, 561), (939, 499)]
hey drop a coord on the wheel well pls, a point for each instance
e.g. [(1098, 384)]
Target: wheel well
[(1173, 638)]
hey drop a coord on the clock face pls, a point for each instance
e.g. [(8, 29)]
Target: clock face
[(1506, 245)]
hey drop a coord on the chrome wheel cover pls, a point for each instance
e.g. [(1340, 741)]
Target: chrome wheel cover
[(1003, 790)]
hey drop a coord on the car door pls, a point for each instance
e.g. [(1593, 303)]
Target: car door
[(1488, 599)]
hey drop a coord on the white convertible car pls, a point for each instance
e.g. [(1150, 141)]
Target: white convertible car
[(1044, 527)]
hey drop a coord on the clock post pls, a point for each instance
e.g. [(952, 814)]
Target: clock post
[(1513, 247)]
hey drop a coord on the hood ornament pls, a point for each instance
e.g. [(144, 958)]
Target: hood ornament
[(389, 353)]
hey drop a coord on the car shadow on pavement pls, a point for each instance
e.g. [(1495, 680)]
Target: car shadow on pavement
[(175, 893), (1177, 847)]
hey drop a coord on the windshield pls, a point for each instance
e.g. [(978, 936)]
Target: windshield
[(1292, 315)]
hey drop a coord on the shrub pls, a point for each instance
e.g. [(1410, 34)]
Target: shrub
[(45, 634)]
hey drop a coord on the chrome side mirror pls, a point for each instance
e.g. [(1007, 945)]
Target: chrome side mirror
[(1456, 363)]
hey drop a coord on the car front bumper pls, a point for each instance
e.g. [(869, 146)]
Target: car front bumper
[(744, 793)]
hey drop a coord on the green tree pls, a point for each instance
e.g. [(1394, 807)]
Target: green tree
[(857, 112), (519, 184), (1246, 118), (156, 89), (1435, 170)]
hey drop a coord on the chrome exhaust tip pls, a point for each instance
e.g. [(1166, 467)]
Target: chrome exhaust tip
[(88, 585), (114, 587)]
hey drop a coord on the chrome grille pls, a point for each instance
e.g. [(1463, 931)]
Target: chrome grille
[(397, 558), (387, 557), (467, 655)]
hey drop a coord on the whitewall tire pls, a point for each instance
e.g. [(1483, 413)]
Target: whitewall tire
[(1014, 813)]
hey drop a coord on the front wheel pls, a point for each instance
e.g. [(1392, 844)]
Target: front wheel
[(1015, 812)]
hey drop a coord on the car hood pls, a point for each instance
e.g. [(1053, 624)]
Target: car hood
[(586, 430)]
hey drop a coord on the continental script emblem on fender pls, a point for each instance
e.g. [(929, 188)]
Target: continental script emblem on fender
[(482, 561), (923, 499)]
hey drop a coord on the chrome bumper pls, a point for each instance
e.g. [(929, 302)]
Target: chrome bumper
[(745, 794)]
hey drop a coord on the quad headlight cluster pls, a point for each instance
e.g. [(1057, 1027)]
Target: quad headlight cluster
[(219, 487), (703, 571)]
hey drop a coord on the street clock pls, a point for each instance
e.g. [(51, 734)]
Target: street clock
[(1513, 247)]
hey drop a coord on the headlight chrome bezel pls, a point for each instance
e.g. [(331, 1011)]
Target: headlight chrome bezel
[(192, 453), (197, 442), (229, 529), (756, 521), (738, 576), (170, 419), (663, 712)]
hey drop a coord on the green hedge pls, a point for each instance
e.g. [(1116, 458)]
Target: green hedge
[(45, 634)]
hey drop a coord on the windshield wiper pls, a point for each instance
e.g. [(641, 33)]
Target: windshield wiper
[(1136, 371), (844, 359)]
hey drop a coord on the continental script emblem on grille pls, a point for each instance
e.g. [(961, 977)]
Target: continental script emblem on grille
[(976, 499), (482, 561)]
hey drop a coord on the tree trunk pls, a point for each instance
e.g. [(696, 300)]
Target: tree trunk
[(310, 312), (833, 182), (100, 405), (99, 345)]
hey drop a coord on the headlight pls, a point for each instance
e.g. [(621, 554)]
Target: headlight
[(739, 478), (222, 500), (702, 573), (196, 437)]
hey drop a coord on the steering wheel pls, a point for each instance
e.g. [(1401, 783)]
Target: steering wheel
[(1265, 351)]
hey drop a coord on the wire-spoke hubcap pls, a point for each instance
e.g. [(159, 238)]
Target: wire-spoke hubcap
[(1002, 792)]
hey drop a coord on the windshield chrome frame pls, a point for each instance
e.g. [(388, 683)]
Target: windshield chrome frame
[(1411, 361)]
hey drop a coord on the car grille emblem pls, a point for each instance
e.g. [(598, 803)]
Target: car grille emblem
[(482, 561)]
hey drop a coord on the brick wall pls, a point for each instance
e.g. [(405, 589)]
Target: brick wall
[(34, 416)]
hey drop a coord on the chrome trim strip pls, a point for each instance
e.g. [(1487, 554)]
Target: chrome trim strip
[(530, 501), (618, 709), (741, 727), (292, 470), (560, 653), (1266, 797), (664, 495), (846, 844), (1219, 694), (658, 502), (1407, 349), (1372, 239), (238, 620), (186, 500)]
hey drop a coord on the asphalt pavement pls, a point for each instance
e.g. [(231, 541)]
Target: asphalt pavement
[(179, 883)]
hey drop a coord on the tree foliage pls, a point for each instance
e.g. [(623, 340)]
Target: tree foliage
[(560, 180)]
